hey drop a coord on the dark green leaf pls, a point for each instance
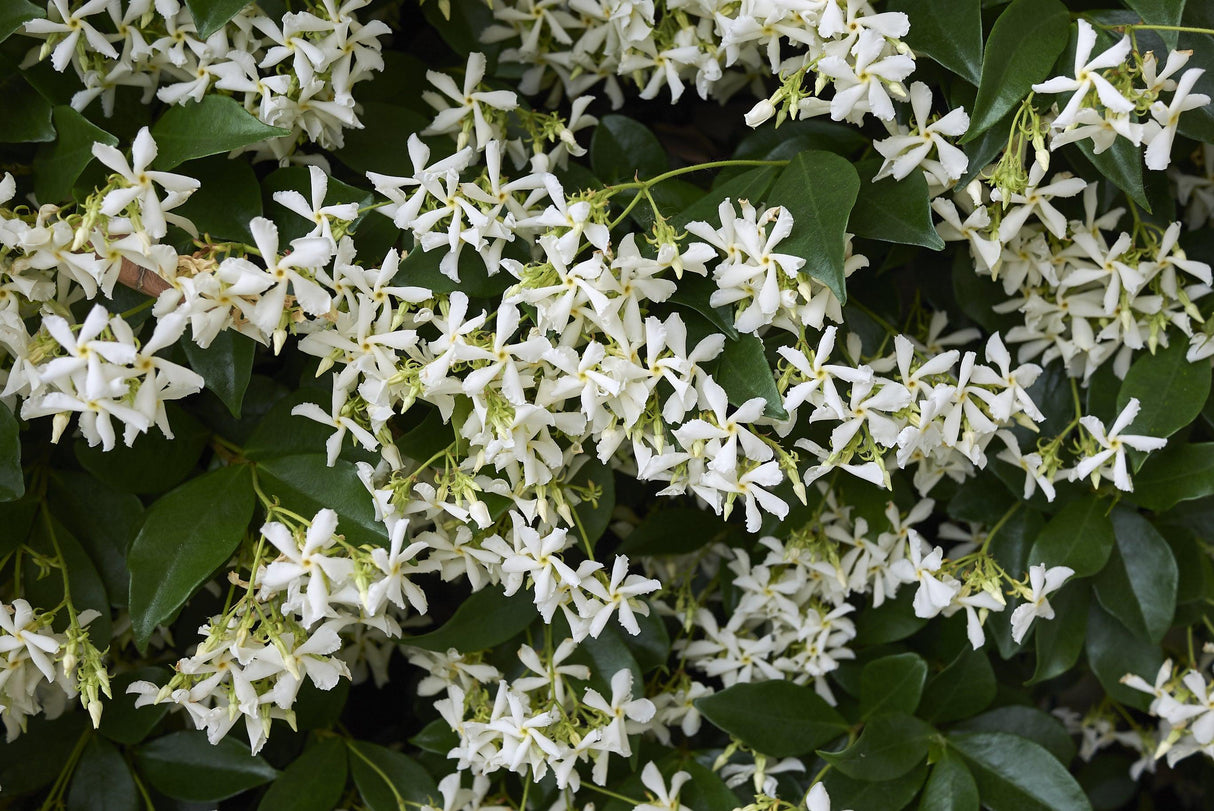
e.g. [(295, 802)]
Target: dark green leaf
[(102, 781), (1060, 641), (12, 479), (1113, 651), (299, 178), (1160, 12), (370, 764), (366, 150), (674, 531), (623, 149), (893, 210), (1180, 472), (750, 185), (1079, 536), (892, 683), (948, 31), (223, 206), (208, 127), (104, 520), (864, 795), (122, 721), (1122, 164), (313, 782), (819, 188), (421, 269), (485, 619), (967, 686), (1038, 726), (306, 484), (437, 737), (1171, 390), (892, 620), (35, 758), (320, 709), (1026, 39), (58, 164), (777, 718), (27, 116), (1138, 586), (695, 292), (889, 747), (15, 13), (17, 517), (186, 536), (1015, 774), (184, 766), (706, 791), (593, 518), (50, 539), (950, 787), (154, 463), (743, 371), (225, 365), (211, 15), (281, 433)]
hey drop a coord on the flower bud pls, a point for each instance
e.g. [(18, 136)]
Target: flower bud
[(760, 113)]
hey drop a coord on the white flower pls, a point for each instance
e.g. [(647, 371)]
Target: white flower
[(661, 797), (1042, 582), (1160, 132), (139, 182), (1087, 76), (905, 151), (1113, 445)]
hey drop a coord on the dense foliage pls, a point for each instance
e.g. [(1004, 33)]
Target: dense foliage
[(685, 405)]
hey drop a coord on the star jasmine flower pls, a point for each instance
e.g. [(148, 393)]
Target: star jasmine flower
[(1042, 582), (1087, 77), (1113, 446)]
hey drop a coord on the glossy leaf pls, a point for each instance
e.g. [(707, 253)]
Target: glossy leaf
[(1113, 651), (743, 371), (777, 718), (50, 538), (888, 747), (410, 783), (752, 185), (15, 13), (223, 205), (1022, 47), (211, 15), (1080, 536), (695, 292), (950, 786), (882, 795), (674, 531), (947, 31), (185, 766), (122, 721), (12, 479), (1060, 641), (208, 127), (58, 164), (1122, 164), (964, 688), (892, 210), (154, 463), (892, 684), (226, 366), (819, 189), (313, 782), (1180, 472), (1015, 774), (102, 780), (306, 484), (103, 519), (28, 115), (485, 619), (1170, 389), (623, 149), (1160, 12), (186, 536), (1139, 584), (1036, 725)]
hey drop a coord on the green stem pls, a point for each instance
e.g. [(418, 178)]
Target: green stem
[(400, 801), (612, 794)]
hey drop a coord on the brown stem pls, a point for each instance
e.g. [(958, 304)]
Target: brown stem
[(141, 279)]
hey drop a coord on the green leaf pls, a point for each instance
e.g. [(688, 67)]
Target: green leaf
[(485, 619), (184, 766), (623, 149), (947, 31), (306, 484), (12, 479), (592, 519), (777, 718), (1122, 164), (281, 433), (751, 185), (421, 269), (211, 15), (36, 758), (103, 519), (208, 127), (1113, 651), (1023, 45), (122, 721), (299, 178), (371, 764), (892, 683), (864, 795), (1060, 641), (1036, 725), (964, 688), (1160, 12), (223, 206), (1180, 472), (743, 371), (49, 538), (1079, 536), (892, 620), (1138, 586), (1171, 390), (1015, 774), (16, 13), (674, 531), (313, 782), (27, 117), (950, 787), (102, 781), (819, 188), (367, 150), (893, 210), (58, 164), (17, 517), (695, 292), (889, 747), (154, 463), (186, 536), (226, 366)]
